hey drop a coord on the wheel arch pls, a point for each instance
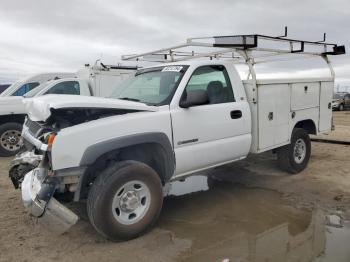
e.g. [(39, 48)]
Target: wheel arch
[(12, 118), (308, 125), (153, 149)]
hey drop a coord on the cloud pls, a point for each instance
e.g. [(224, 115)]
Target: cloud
[(38, 36)]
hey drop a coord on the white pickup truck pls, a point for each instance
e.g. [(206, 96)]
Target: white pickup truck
[(165, 123), (89, 81), (23, 86)]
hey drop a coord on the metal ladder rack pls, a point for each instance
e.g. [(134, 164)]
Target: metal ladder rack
[(246, 49)]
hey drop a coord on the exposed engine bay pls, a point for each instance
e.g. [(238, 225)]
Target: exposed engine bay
[(29, 157), (66, 117)]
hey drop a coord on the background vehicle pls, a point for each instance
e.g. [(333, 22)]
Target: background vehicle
[(165, 123), (89, 81), (341, 101), (23, 86), (3, 88)]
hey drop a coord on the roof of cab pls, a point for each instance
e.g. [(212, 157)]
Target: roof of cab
[(192, 62)]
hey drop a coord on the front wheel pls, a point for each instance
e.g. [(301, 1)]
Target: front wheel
[(294, 157), (10, 139), (125, 200)]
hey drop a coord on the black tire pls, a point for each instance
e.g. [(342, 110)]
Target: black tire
[(104, 189), (285, 154), (3, 129), (341, 107)]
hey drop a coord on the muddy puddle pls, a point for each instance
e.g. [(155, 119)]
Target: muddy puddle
[(227, 221)]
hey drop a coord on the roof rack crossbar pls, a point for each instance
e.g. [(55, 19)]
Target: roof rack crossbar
[(236, 43)]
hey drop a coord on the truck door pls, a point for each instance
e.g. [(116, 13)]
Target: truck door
[(214, 133)]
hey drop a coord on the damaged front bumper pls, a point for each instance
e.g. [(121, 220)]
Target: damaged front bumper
[(21, 165), (26, 161), (37, 197)]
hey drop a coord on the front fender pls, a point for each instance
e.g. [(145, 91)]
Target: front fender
[(95, 151), (71, 143)]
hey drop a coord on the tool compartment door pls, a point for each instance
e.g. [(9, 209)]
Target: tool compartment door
[(325, 118), (305, 95), (273, 115)]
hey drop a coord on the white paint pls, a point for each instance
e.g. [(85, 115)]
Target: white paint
[(215, 138), (326, 97), (71, 143), (284, 98)]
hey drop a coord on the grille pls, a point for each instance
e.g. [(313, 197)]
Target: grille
[(33, 127)]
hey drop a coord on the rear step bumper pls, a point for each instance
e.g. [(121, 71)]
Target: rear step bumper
[(37, 199)]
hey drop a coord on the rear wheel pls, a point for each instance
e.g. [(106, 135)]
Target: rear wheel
[(10, 139), (125, 200), (294, 157)]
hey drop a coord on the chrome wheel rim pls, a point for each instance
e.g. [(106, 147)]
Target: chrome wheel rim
[(131, 202), (299, 151), (10, 140)]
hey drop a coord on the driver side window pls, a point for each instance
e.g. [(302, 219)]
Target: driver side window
[(214, 80), (66, 88)]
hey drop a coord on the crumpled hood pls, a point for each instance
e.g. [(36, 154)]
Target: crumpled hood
[(11, 105), (39, 108)]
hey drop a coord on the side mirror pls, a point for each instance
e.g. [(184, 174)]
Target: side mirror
[(194, 98)]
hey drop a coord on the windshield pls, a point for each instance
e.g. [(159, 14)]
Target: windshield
[(338, 96), (12, 88), (36, 90), (153, 86)]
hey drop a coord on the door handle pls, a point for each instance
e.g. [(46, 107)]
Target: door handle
[(235, 114), (270, 116)]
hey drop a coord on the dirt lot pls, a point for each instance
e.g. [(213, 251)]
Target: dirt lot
[(246, 211), (342, 122)]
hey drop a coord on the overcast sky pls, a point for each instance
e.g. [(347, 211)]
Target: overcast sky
[(41, 35)]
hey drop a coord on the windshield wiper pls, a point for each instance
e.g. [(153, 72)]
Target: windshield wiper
[(130, 99)]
